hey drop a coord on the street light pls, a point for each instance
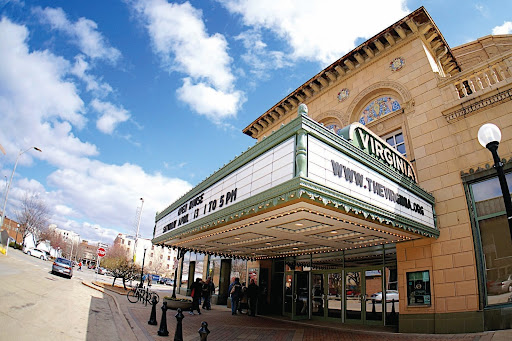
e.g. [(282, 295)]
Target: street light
[(10, 181), (489, 137), (137, 234)]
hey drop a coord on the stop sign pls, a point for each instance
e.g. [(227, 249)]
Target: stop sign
[(101, 252)]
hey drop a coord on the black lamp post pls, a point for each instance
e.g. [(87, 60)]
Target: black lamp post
[(489, 137), (142, 271), (17, 229)]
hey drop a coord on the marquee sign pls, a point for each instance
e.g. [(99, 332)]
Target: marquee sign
[(334, 169), (268, 170), (372, 144)]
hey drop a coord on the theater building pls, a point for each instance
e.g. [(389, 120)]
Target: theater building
[(367, 198)]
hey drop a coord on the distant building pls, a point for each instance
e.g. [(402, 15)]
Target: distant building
[(159, 260)]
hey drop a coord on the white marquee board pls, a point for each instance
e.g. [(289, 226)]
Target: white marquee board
[(268, 170), (331, 168)]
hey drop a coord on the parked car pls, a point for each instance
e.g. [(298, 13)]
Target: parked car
[(169, 282), (501, 285), (390, 295), (37, 253), (62, 266), (162, 280), (101, 271)]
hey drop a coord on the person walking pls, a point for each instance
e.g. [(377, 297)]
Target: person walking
[(196, 290), (242, 300), (235, 289), (252, 295), (208, 290)]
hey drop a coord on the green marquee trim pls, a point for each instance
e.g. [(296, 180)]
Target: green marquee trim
[(299, 128), (297, 189)]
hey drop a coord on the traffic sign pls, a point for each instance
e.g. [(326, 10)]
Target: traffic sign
[(101, 252)]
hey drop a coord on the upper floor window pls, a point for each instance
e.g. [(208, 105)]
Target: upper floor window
[(129, 242), (378, 108), (396, 140)]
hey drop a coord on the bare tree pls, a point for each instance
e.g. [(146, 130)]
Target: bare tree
[(33, 216), (118, 261)]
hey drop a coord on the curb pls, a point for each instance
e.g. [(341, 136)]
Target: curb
[(121, 330)]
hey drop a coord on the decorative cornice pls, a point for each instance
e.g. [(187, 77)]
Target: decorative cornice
[(416, 24), (471, 106)]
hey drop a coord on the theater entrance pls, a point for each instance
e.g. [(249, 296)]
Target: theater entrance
[(350, 295)]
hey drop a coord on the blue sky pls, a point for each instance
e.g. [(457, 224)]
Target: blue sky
[(131, 99)]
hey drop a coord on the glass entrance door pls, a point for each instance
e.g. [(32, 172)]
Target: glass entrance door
[(363, 294), (373, 296), (334, 295), (301, 295), (353, 296), (318, 295)]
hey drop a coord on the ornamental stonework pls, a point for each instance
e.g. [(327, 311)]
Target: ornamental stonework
[(397, 64)]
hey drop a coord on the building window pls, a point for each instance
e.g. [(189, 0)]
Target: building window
[(161, 256), (167, 266), (496, 245), (378, 108), (151, 255), (168, 257), (150, 263), (396, 140), (129, 242), (152, 247)]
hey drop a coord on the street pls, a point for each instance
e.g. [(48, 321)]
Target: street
[(36, 304)]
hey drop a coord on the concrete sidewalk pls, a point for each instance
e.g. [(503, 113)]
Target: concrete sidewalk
[(225, 327)]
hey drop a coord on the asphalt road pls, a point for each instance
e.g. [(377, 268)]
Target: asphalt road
[(37, 305)]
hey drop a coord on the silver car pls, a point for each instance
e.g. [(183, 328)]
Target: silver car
[(62, 266)]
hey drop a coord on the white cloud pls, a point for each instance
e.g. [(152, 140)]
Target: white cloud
[(83, 32), (258, 58), (506, 28), (40, 106), (35, 97), (179, 37), (205, 100), (318, 31), (110, 116), (92, 83)]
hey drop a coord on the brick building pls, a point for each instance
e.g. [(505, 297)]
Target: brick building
[(378, 187)]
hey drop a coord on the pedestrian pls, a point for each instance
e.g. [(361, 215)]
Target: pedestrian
[(242, 300), (252, 295), (196, 290), (235, 289), (208, 290), (80, 266)]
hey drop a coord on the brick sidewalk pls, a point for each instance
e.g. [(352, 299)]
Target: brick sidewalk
[(225, 327)]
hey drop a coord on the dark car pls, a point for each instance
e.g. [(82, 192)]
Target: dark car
[(62, 266)]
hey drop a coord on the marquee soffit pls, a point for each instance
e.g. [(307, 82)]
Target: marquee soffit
[(418, 23), (296, 217)]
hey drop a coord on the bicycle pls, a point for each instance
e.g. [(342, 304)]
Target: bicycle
[(137, 294)]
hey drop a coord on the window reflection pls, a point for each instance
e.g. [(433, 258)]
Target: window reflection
[(495, 238)]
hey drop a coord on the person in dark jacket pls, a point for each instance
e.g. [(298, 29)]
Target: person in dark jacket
[(208, 290), (196, 291), (252, 295), (235, 290)]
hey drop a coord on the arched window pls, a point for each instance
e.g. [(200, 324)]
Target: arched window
[(334, 127), (378, 108)]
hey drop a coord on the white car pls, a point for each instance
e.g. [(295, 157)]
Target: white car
[(37, 253), (390, 295)]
